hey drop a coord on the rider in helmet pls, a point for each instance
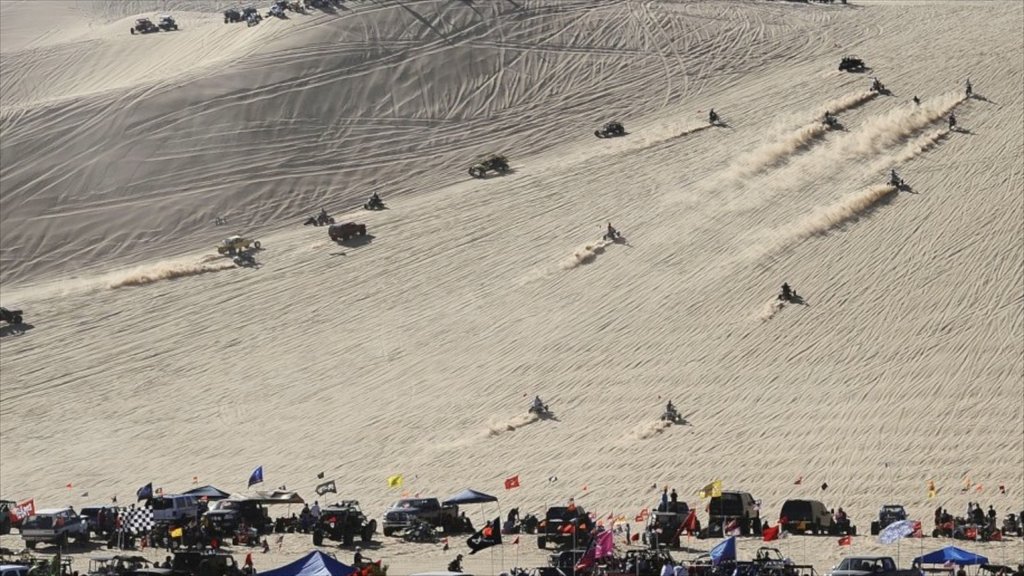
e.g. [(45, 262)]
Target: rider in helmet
[(538, 405), (894, 178), (712, 116), (612, 232), (829, 119), (375, 200), (787, 293), (970, 89), (952, 120), (669, 408)]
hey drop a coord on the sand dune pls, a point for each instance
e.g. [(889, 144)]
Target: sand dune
[(417, 352)]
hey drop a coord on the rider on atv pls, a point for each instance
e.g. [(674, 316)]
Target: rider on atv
[(375, 200), (952, 120), (876, 85), (713, 116), (970, 89), (538, 405), (787, 293), (894, 178), (829, 119)]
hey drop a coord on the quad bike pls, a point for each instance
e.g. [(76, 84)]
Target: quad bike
[(610, 130), (895, 180), (877, 86), (321, 219), (494, 162), (831, 122), (671, 415), (788, 294), (713, 117), (541, 411), (374, 203), (11, 316), (613, 235)]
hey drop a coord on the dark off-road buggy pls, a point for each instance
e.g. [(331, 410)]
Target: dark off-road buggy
[(144, 26), (343, 232), (343, 522), (232, 15), (167, 23), (11, 316), (494, 162), (851, 64), (610, 130)]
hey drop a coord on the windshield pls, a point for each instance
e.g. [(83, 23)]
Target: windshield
[(39, 522)]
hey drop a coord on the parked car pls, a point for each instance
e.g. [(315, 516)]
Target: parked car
[(57, 526), (405, 512), (810, 516), (173, 508), (730, 506), (102, 519)]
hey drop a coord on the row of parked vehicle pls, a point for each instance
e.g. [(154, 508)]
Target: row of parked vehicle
[(145, 26)]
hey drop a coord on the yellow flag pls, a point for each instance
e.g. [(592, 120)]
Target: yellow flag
[(931, 489), (177, 533), (712, 490), (395, 481)]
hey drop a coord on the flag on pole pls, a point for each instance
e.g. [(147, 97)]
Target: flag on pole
[(145, 493), (489, 535), (256, 477), (512, 482), (395, 481), (846, 540), (326, 487)]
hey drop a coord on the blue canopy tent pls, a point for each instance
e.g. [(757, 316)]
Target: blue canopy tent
[(951, 554), (724, 551), (316, 563)]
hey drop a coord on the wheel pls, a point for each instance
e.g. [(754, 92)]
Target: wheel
[(541, 542), (362, 230), (598, 134), (256, 244), (31, 545), (133, 31), (175, 27), (368, 531), (388, 531), (874, 528), (17, 319), (318, 538), (348, 537), (853, 530), (476, 172), (82, 539)]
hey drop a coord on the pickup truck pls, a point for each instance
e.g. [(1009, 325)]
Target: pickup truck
[(870, 566), (57, 526), (407, 511)]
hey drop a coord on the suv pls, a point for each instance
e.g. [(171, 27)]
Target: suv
[(58, 526), (173, 508), (558, 527), (730, 506), (227, 516), (887, 515), (102, 520), (666, 525), (342, 522), (404, 513), (803, 516)]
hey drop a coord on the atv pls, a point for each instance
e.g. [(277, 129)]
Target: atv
[(321, 219), (167, 23), (610, 130), (851, 64), (374, 203), (495, 162), (10, 316), (144, 26)]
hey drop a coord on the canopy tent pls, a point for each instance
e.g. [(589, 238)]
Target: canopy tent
[(275, 497), (951, 554), (315, 563), (208, 492), (470, 496)]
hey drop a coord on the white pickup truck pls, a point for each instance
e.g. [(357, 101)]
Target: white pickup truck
[(870, 566), (58, 526)]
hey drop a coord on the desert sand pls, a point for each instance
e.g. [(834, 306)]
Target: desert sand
[(416, 353)]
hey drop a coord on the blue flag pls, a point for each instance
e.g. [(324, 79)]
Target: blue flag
[(144, 493), (725, 550), (256, 477)]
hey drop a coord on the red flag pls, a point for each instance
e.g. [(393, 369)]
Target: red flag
[(772, 533), (846, 541), (971, 533), (512, 482), (799, 480), (23, 510), (996, 536), (918, 533), (248, 559), (568, 528), (732, 526), (68, 486), (690, 524), (516, 541), (635, 537)]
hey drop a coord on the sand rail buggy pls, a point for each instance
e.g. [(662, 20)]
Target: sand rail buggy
[(144, 26), (167, 23), (851, 64), (342, 232), (235, 244), (610, 130), (492, 163)]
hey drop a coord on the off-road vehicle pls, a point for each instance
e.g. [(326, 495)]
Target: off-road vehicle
[(346, 230), (610, 130), (564, 527), (851, 64), (144, 26), (343, 522), (11, 316), (167, 23), (58, 526), (492, 163), (887, 515), (407, 511), (234, 244)]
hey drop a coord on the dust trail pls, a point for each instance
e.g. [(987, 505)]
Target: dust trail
[(585, 254), (770, 309), (650, 429), (915, 147), (845, 103), (168, 270), (776, 153), (884, 131), (827, 218), (497, 426)]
